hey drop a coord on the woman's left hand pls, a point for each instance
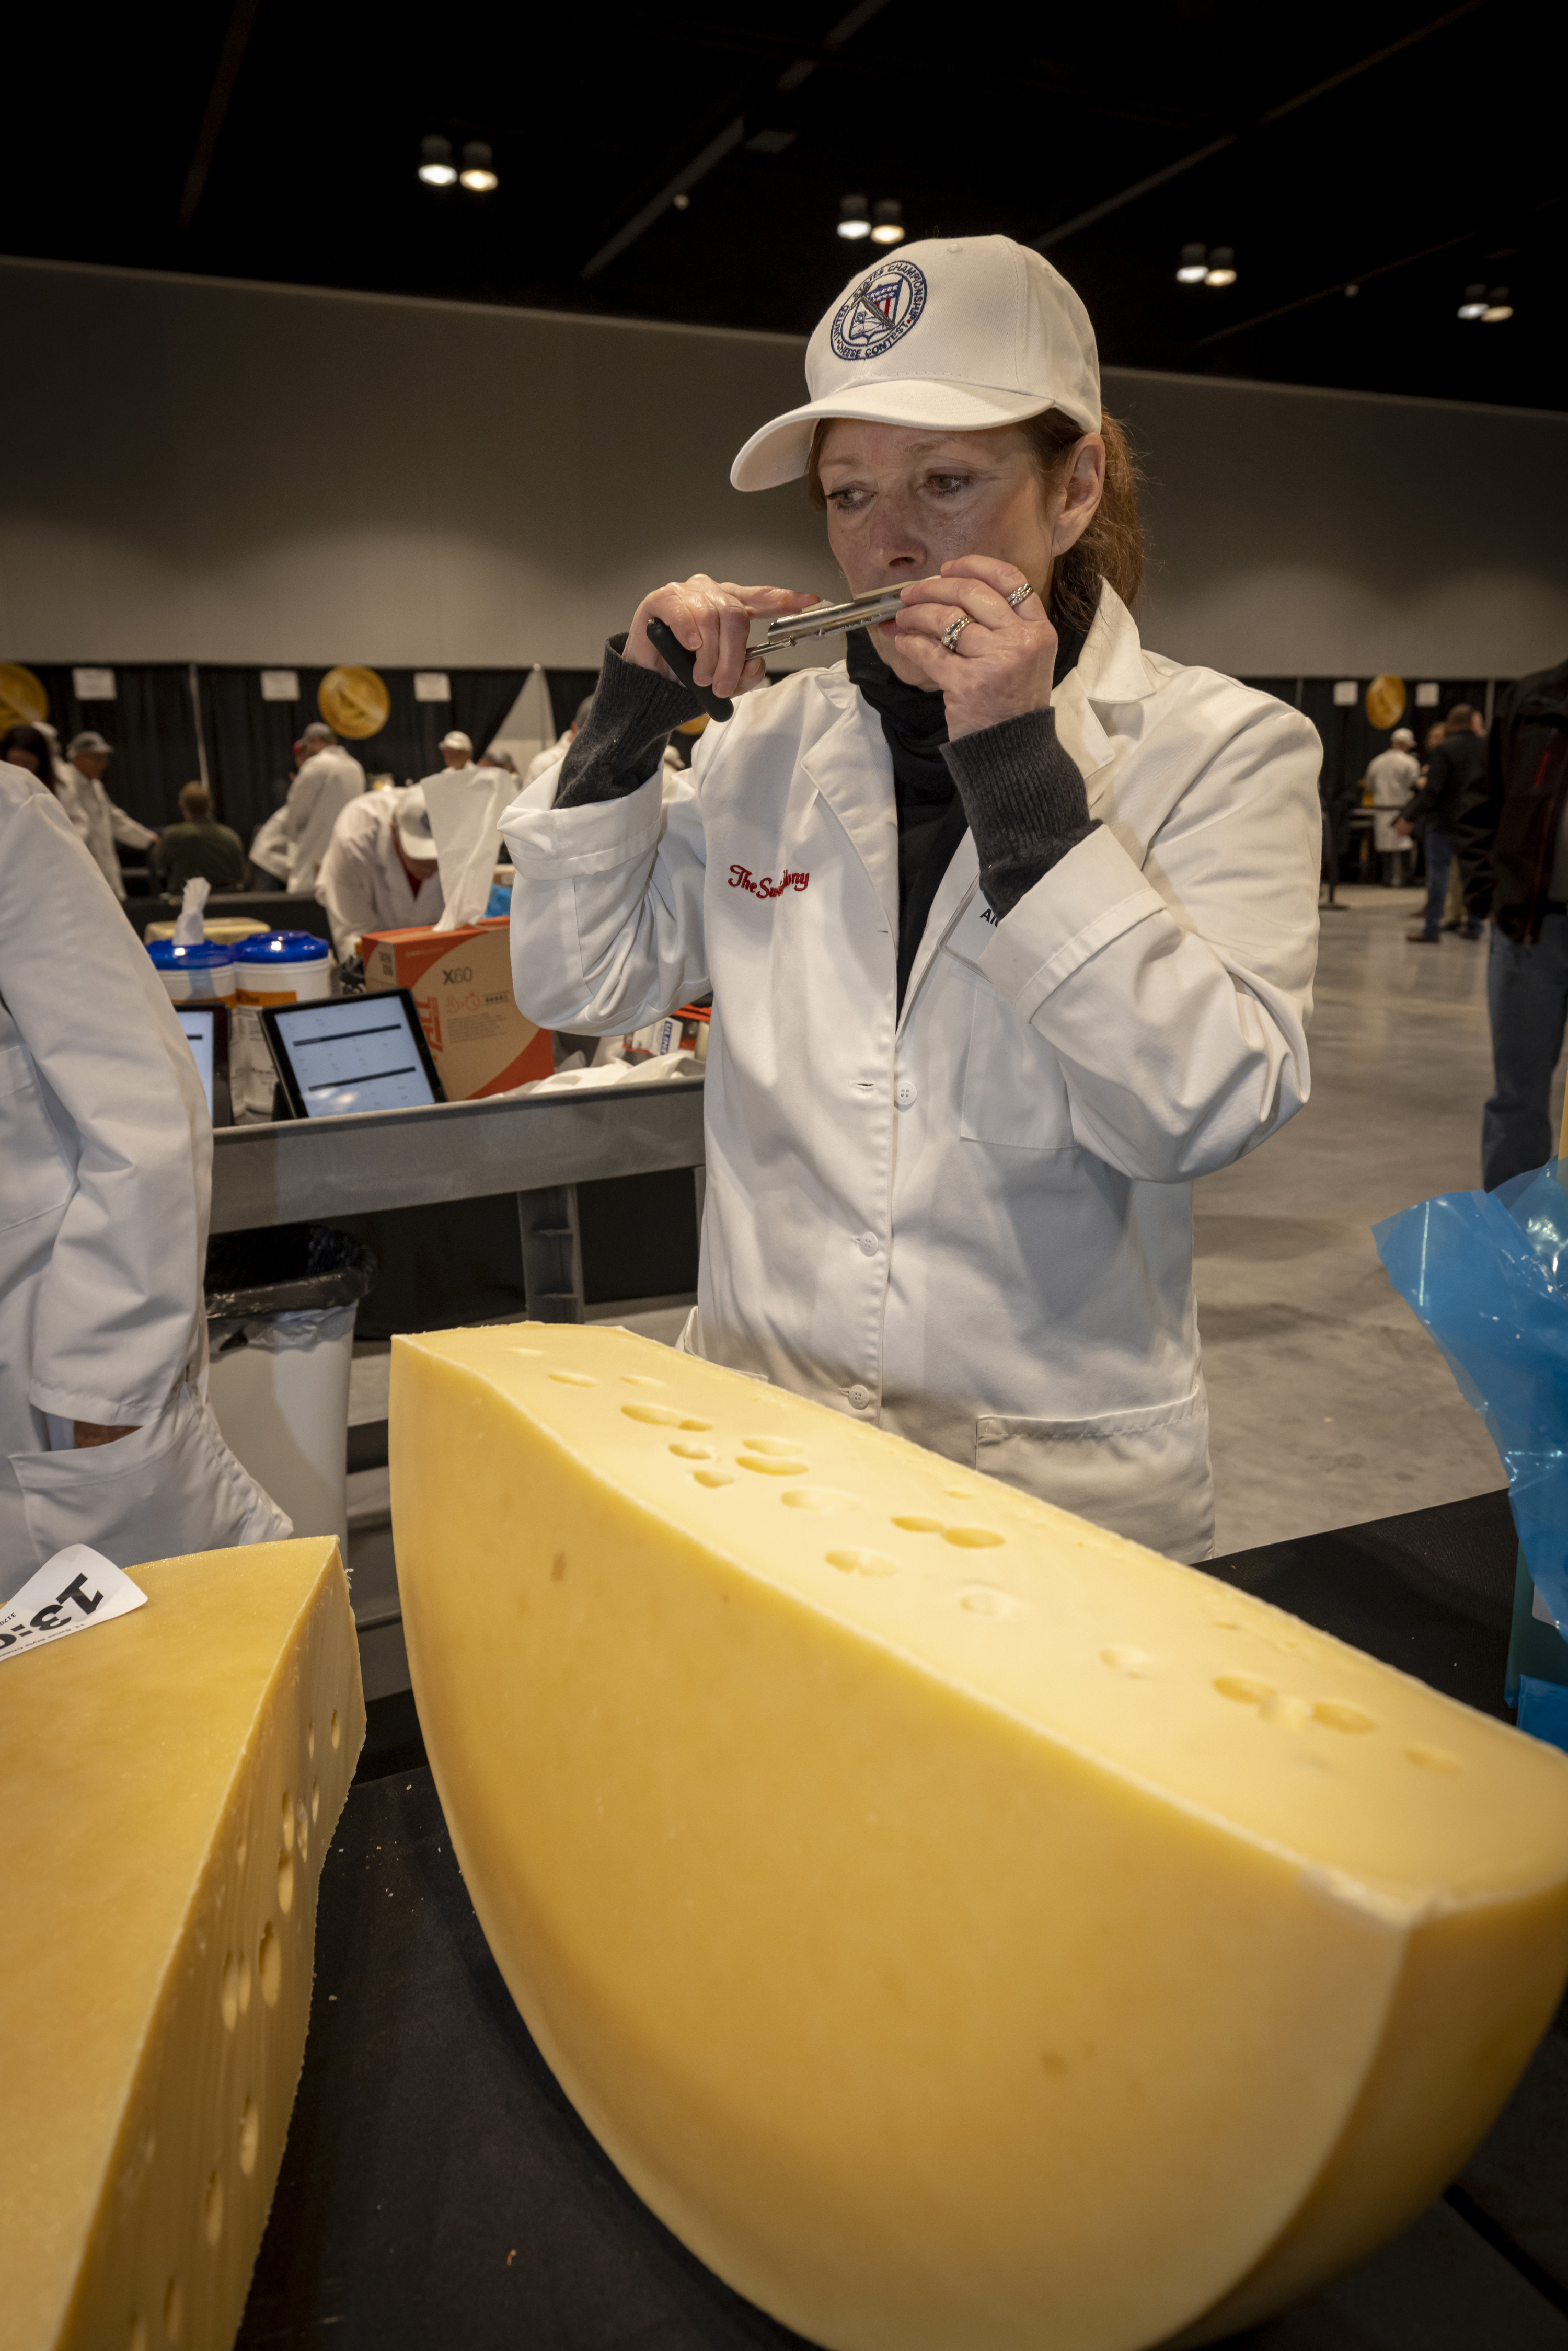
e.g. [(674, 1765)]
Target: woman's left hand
[(1003, 661)]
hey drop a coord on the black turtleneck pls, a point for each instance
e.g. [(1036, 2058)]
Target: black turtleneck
[(1013, 786)]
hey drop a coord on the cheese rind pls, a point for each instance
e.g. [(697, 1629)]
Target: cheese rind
[(926, 1897), (170, 1781)]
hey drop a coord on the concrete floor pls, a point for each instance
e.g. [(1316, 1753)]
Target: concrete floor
[(1330, 1402)]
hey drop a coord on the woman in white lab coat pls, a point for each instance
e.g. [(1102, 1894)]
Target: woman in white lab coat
[(105, 1435), (1011, 923)]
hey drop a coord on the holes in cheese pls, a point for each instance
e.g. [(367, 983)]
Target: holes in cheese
[(827, 1499), (640, 1380), (138, 2159), (575, 1379), (693, 1452), (984, 1599), (661, 1416), (315, 1800), (772, 1465), (269, 1965), (861, 1563), (920, 1926)]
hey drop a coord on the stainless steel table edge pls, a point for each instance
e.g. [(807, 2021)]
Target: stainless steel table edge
[(292, 1171)]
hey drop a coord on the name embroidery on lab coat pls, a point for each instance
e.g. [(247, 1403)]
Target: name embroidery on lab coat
[(741, 877)]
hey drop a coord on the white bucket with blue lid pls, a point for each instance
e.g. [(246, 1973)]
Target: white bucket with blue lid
[(203, 974), (283, 967)]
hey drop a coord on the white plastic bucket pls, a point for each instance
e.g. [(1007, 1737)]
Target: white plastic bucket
[(194, 975), (284, 968)]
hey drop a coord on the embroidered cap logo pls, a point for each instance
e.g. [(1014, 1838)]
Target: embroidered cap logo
[(880, 311)]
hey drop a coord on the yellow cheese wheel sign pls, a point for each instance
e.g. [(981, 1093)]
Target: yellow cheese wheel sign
[(354, 702), (1385, 701), (23, 700)]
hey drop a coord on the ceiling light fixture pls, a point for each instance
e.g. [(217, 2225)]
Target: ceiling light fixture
[(436, 168), (683, 203), (478, 175), (887, 222), (1497, 308), (855, 218), (1194, 267), (1221, 270), (1474, 305)]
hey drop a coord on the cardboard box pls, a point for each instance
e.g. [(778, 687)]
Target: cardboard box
[(461, 982)]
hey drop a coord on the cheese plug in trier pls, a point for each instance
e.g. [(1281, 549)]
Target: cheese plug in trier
[(168, 1784), (966, 1930)]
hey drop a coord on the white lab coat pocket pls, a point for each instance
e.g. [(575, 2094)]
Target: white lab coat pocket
[(170, 1487), (1143, 1474), (35, 1177), (1014, 1090)]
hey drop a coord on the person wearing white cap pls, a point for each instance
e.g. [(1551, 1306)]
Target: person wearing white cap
[(1009, 924), (1392, 776), (93, 814), (379, 870), (325, 782)]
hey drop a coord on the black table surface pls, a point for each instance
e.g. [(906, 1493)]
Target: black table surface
[(438, 2189)]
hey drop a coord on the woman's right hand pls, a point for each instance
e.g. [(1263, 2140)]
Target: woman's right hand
[(713, 619)]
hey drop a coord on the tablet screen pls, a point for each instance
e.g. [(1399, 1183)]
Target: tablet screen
[(361, 1053), (199, 1029)]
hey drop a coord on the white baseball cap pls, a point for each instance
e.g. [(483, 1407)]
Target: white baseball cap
[(455, 740), (1401, 739), (956, 334), (411, 818)]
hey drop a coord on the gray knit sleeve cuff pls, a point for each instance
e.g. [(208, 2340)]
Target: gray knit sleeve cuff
[(1025, 800), (619, 745)]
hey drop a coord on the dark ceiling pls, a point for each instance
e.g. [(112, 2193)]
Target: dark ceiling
[(1365, 161)]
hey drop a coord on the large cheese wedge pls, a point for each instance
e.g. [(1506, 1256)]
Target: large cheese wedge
[(967, 1932), (168, 1784)]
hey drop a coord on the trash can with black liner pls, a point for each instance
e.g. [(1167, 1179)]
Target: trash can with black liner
[(281, 1304)]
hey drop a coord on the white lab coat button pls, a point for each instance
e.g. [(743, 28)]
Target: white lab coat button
[(860, 1397), (867, 1244), (904, 1092)]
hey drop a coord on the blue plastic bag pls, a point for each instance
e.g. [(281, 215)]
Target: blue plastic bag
[(1486, 1272)]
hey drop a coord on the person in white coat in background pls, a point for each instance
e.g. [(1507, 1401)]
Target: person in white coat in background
[(1392, 776), (327, 780), (94, 815), (1009, 924), (106, 1436), (379, 871)]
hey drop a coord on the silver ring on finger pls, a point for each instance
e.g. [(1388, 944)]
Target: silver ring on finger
[(1020, 595), (954, 630)]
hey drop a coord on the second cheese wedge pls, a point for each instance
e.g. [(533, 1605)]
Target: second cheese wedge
[(170, 1781), (968, 1931)]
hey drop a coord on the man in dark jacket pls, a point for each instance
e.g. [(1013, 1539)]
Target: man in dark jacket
[(1513, 835), (1454, 775), (197, 845)]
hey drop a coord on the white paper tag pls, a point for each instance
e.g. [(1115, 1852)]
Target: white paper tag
[(71, 1593)]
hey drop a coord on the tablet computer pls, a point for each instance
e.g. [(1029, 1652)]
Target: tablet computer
[(206, 1031), (357, 1052)]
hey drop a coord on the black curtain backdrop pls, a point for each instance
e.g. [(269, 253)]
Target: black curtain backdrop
[(250, 742), (567, 689), (151, 724)]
